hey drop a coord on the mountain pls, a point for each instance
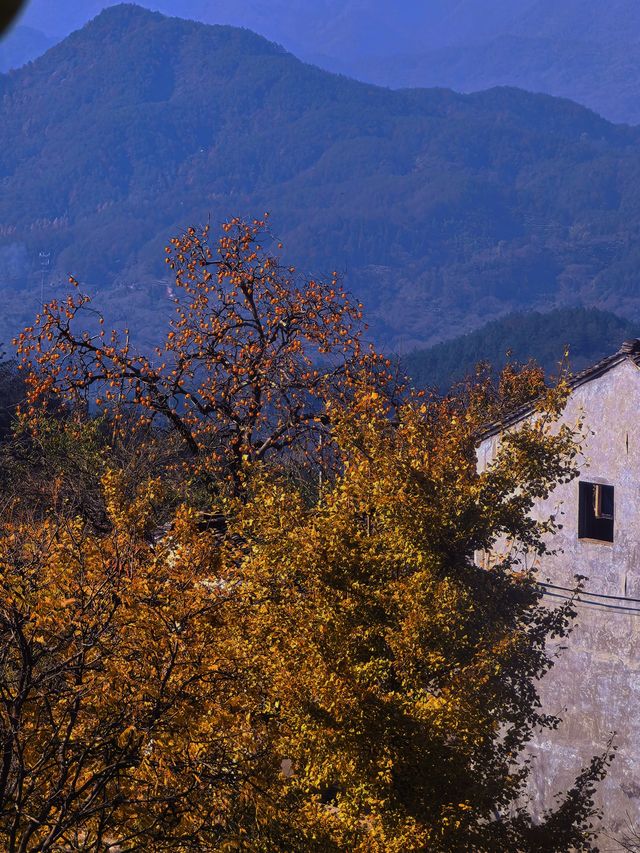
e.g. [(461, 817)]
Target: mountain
[(595, 21), (23, 45), (605, 77), (442, 210), (362, 27), (587, 334), (586, 50)]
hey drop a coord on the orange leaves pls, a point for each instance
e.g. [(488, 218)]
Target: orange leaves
[(124, 683), (237, 353)]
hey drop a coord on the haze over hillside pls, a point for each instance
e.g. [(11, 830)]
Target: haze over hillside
[(22, 45), (324, 26), (587, 50), (442, 210)]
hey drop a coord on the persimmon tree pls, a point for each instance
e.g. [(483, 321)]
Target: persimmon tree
[(330, 676), (488, 397), (247, 364)]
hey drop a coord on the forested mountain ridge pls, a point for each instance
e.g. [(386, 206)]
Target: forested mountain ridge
[(442, 210), (602, 76), (566, 338), (588, 51)]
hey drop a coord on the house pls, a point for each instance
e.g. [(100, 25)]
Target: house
[(595, 684)]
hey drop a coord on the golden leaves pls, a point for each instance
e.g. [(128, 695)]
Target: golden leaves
[(344, 630), (129, 687)]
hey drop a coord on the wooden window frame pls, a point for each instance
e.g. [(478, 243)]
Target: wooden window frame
[(596, 524)]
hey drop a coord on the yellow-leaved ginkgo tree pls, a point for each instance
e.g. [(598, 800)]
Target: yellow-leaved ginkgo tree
[(403, 674)]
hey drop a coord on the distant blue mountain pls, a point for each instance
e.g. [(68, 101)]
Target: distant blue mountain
[(441, 210), (367, 27), (586, 50), (605, 77), (594, 21), (22, 45)]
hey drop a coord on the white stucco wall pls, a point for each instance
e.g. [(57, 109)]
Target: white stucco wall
[(595, 685)]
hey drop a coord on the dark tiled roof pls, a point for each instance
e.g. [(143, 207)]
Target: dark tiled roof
[(630, 350)]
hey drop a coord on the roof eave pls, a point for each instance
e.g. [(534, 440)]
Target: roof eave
[(588, 375)]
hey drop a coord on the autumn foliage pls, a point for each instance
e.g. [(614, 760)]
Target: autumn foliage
[(247, 363), (122, 717), (257, 665)]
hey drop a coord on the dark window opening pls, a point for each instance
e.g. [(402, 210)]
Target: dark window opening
[(595, 513)]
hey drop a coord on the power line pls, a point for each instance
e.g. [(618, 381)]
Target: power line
[(578, 600), (588, 592)]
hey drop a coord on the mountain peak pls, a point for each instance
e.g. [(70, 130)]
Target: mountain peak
[(129, 48), (123, 16), (125, 20)]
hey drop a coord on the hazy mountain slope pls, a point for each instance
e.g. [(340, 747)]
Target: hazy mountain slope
[(441, 209), (322, 26), (587, 50), (586, 333), (605, 77), (22, 45), (595, 21)]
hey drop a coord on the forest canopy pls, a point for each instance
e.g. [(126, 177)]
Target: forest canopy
[(571, 338)]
